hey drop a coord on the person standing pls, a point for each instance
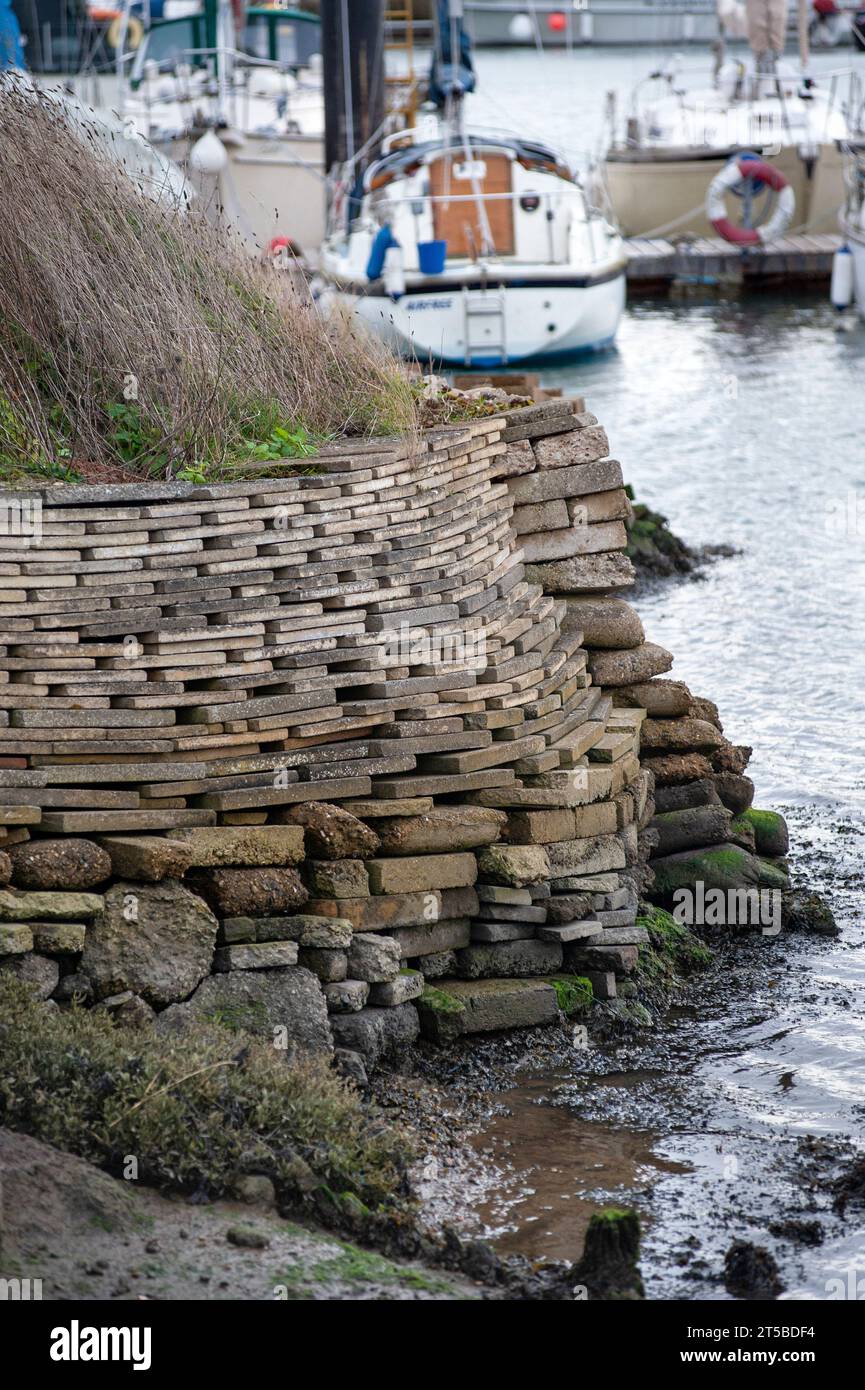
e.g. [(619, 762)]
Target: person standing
[(767, 31)]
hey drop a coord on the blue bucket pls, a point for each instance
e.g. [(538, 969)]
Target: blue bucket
[(431, 256)]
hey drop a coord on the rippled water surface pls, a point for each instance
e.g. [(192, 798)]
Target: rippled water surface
[(743, 420)]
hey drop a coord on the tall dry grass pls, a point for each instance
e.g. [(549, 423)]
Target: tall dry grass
[(135, 333)]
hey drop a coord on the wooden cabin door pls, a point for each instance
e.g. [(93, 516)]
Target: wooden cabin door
[(456, 220)]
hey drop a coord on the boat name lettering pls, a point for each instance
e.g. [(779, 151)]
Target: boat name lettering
[(416, 304)]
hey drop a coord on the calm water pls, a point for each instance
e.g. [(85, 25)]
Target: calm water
[(744, 421), (561, 96)]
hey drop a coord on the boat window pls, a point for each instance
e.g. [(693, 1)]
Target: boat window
[(168, 43), (277, 39)]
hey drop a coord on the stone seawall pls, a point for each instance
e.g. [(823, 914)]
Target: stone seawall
[(349, 753)]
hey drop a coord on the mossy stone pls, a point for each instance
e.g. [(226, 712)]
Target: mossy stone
[(574, 994), (441, 1015), (771, 837), (609, 1265), (723, 867)]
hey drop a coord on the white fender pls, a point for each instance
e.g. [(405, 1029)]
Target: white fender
[(841, 291), (393, 272)]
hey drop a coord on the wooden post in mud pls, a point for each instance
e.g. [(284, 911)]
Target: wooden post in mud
[(608, 1268)]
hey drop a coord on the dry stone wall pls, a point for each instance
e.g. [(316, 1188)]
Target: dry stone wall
[(570, 514), (341, 755)]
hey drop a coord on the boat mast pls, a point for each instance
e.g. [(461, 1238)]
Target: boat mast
[(352, 46), (451, 78), (220, 41), (452, 74)]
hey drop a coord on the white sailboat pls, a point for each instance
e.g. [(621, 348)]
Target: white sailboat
[(473, 248), (240, 110), (677, 139)]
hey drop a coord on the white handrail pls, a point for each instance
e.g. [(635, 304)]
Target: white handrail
[(498, 136), (493, 197)]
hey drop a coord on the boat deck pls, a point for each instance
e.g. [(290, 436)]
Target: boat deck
[(657, 264)]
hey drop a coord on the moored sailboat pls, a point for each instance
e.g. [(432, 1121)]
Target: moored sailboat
[(234, 96), (474, 248), (676, 140)]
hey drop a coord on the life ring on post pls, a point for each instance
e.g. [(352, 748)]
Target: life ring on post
[(114, 32), (732, 179)]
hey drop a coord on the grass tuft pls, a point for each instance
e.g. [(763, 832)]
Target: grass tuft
[(574, 994), (139, 340), (193, 1111)]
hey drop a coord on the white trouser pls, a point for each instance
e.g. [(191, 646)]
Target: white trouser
[(767, 25)]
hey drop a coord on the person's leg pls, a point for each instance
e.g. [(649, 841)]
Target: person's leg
[(777, 26), (756, 12)]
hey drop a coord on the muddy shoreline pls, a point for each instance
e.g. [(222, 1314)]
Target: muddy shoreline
[(694, 1122), (525, 1136)]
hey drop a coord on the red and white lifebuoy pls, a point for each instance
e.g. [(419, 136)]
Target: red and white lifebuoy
[(732, 179)]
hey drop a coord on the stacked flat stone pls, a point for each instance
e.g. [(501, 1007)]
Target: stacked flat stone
[(183, 658), (570, 508), (705, 827), (338, 754)]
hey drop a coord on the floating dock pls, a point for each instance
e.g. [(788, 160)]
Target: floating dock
[(657, 264)]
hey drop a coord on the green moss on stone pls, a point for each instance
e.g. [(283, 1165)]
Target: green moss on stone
[(612, 1216), (770, 832), (353, 1206), (574, 993), (674, 951), (727, 866), (250, 1016), (355, 1267), (636, 1014), (774, 874), (725, 859), (742, 831), (441, 1001), (674, 939), (764, 820)]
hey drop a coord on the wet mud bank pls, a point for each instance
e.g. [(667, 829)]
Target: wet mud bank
[(735, 1116)]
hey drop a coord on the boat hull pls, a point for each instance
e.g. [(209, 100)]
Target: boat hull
[(649, 193), (538, 322), (271, 186), (613, 22)]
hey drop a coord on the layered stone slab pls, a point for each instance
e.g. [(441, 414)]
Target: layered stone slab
[(486, 1006), (210, 677)]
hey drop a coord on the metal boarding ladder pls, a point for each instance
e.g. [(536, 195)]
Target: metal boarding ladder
[(485, 324)]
